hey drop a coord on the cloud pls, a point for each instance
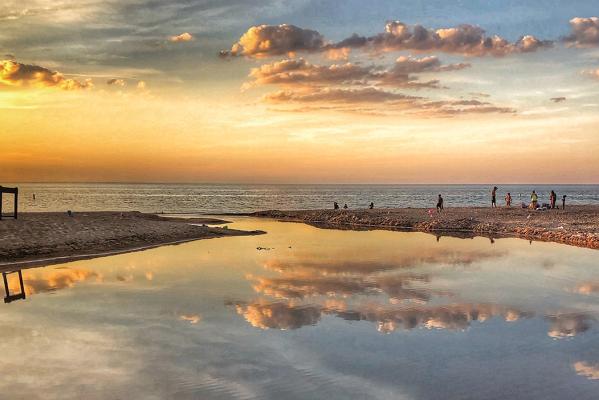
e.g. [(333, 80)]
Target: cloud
[(568, 325), (271, 40), (183, 37), (592, 73), (558, 99), (338, 95), (13, 73), (116, 82), (588, 370), (192, 319), (468, 40), (588, 288), (278, 315), (295, 72), (585, 32), (382, 102)]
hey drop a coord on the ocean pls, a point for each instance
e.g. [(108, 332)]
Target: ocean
[(240, 198)]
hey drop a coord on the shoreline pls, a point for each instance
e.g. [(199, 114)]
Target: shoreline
[(575, 226), (49, 238)]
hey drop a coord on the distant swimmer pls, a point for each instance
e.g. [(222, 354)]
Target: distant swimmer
[(494, 197), (508, 200), (440, 204), (371, 206)]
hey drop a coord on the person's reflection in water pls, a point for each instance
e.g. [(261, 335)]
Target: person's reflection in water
[(17, 296)]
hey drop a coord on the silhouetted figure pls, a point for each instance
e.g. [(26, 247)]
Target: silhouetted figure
[(335, 205), (345, 207), (34, 197), (508, 200), (371, 206), (440, 204), (69, 213), (552, 199), (494, 197), (534, 200), (564, 202)]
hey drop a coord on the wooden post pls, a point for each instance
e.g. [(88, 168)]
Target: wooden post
[(0, 203), (16, 203)]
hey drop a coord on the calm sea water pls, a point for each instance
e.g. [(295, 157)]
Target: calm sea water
[(247, 198), (319, 314)]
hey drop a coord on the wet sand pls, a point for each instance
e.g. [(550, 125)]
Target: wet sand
[(56, 237), (576, 225)]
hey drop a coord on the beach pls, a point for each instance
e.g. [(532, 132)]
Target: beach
[(576, 225), (47, 238)]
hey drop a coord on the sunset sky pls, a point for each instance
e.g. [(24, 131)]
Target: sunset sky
[(299, 91)]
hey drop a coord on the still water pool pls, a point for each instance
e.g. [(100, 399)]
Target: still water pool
[(308, 313)]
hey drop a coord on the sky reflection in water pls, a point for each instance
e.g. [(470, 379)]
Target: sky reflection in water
[(319, 314)]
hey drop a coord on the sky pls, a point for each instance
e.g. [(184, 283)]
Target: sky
[(299, 91)]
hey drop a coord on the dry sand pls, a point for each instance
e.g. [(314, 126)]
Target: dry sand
[(576, 225), (36, 236)]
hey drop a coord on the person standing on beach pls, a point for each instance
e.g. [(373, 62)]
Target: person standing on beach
[(508, 200), (440, 204), (552, 199), (335, 205), (534, 200), (564, 202), (494, 197), (371, 206)]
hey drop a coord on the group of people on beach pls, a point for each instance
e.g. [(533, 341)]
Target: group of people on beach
[(534, 201)]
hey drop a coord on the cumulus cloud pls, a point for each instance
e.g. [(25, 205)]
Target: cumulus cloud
[(468, 40), (585, 32), (183, 37), (13, 73), (271, 40), (588, 370), (116, 82), (558, 99)]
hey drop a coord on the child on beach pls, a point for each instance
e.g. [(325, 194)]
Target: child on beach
[(508, 200)]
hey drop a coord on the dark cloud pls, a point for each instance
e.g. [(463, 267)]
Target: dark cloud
[(585, 32), (13, 73)]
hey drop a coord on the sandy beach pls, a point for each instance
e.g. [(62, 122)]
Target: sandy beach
[(56, 237), (576, 225)]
